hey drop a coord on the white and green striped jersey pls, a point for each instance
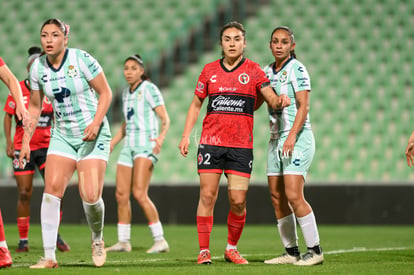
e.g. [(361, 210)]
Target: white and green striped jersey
[(292, 78), (74, 101), (141, 120)]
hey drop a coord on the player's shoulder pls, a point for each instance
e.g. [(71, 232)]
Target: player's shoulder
[(151, 86), (294, 63)]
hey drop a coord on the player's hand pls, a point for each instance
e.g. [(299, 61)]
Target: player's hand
[(288, 146), (10, 150), (91, 132), (22, 114), (158, 143), (284, 101), (183, 146), (24, 156), (409, 153)]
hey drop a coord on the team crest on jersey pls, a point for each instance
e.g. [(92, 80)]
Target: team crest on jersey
[(200, 87), (283, 77), (72, 72), (244, 78), (12, 105), (139, 95)]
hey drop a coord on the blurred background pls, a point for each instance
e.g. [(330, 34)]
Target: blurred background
[(358, 54)]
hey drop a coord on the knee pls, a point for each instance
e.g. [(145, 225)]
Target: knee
[(122, 197), (25, 196), (140, 196), (237, 205), (208, 198)]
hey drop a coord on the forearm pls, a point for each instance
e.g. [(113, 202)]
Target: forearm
[(103, 106), (31, 126), (7, 128), (119, 135), (190, 121)]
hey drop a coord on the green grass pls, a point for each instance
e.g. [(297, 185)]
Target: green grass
[(347, 250)]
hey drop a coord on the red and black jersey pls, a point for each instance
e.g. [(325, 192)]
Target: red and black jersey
[(232, 97), (41, 136)]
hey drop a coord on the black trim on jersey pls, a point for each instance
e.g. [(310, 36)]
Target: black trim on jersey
[(26, 83), (265, 84), (136, 87), (61, 64), (284, 65), (229, 71)]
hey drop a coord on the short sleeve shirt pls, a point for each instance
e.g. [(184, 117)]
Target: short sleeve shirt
[(232, 96), (290, 79), (67, 87), (41, 135), (138, 108)]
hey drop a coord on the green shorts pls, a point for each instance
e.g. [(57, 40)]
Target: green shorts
[(300, 161), (77, 149), (128, 154)]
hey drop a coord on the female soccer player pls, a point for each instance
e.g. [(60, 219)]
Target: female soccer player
[(291, 150), (143, 106), (13, 85), (70, 78), (232, 85), (38, 145)]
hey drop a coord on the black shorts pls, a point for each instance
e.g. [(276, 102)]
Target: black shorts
[(216, 159), (37, 159)]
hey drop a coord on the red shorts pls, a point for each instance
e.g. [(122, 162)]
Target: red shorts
[(37, 159), (216, 159)]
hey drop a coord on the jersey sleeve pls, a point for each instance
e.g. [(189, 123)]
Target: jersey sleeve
[(201, 89), (10, 106), (34, 76), (2, 62), (300, 78), (260, 77), (88, 65), (154, 96)]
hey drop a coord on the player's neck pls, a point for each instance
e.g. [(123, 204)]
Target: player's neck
[(230, 62)]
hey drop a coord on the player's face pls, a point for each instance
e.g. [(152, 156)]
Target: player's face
[(53, 40), (132, 72), (233, 43), (281, 45)]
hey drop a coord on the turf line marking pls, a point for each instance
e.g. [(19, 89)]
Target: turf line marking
[(333, 252)]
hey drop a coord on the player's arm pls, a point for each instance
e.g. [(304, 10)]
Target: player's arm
[(7, 124), (162, 113), (35, 108), (273, 100), (302, 103), (101, 86), (14, 87), (409, 151), (118, 136), (190, 121)]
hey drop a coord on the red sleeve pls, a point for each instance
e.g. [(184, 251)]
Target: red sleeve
[(1, 62), (10, 106), (201, 90)]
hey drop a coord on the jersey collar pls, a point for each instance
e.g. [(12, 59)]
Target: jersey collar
[(61, 64), (284, 65), (235, 68)]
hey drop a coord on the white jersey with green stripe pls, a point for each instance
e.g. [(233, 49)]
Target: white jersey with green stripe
[(292, 78), (74, 101), (142, 122)]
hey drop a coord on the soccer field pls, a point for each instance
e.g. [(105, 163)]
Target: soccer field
[(347, 250)]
